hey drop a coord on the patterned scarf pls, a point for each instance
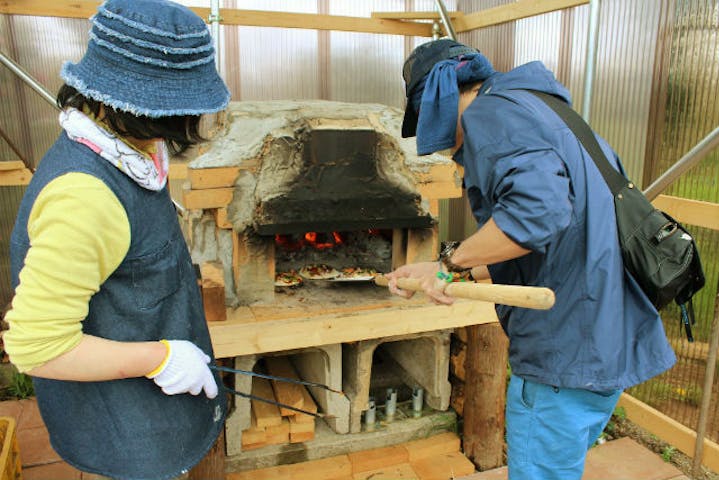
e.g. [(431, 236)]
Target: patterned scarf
[(147, 169)]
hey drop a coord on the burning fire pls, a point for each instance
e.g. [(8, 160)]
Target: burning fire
[(318, 240)]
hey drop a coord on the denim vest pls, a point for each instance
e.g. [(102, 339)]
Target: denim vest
[(128, 429)]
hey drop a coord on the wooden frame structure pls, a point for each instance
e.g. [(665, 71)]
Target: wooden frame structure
[(392, 23)]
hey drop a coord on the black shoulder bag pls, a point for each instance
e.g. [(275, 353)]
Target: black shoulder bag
[(657, 251)]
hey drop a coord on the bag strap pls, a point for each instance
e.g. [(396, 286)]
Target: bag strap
[(615, 180)]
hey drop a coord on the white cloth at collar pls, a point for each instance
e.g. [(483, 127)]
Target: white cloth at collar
[(148, 171)]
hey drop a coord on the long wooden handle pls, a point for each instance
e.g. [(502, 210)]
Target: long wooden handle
[(539, 298)]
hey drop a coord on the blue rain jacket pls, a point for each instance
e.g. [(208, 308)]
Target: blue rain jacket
[(524, 168)]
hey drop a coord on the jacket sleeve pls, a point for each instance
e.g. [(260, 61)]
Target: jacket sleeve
[(79, 233), (531, 195)]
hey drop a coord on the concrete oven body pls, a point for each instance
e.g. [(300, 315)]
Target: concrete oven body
[(342, 173)]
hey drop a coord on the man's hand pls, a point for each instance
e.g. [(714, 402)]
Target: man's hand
[(184, 370), (426, 273)]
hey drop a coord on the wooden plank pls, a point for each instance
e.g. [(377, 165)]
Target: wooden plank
[(221, 219), (439, 190), (308, 404), (13, 178), (202, 178), (691, 212), (206, 199), (278, 434), (432, 446), (11, 165), (232, 16), (669, 430), (301, 437), (178, 171), (332, 467), (449, 465), (237, 336), (513, 11), (485, 395), (402, 471), (267, 415), (300, 427), (285, 392), (253, 435), (415, 15), (213, 291), (399, 248), (422, 244), (259, 18), (377, 458)]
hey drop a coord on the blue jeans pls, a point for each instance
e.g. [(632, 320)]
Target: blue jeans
[(550, 429)]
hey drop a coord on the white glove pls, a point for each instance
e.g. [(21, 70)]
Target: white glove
[(184, 370)]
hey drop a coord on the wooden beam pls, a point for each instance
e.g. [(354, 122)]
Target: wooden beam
[(513, 11), (669, 430), (10, 178), (213, 291), (240, 335), (692, 212), (202, 178), (414, 15), (205, 199), (232, 16), (285, 392), (178, 171)]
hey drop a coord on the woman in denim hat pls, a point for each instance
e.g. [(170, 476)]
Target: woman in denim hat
[(545, 217), (107, 316)]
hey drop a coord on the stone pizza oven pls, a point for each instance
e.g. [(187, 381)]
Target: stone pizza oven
[(284, 184)]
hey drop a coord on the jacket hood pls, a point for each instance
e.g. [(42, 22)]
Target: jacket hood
[(530, 76)]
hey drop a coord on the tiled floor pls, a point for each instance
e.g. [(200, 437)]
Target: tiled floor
[(621, 459)]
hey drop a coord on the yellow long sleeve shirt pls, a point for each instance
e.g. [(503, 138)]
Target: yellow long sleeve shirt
[(79, 234)]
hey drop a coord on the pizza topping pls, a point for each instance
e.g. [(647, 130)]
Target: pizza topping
[(318, 272), (358, 272), (288, 279)]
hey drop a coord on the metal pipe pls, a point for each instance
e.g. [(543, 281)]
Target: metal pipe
[(215, 28), (28, 79), (448, 28), (691, 158), (707, 392), (592, 40)]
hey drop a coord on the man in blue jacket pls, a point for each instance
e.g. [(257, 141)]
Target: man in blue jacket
[(546, 218)]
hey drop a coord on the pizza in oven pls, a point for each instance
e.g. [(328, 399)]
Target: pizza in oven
[(318, 272), (288, 279), (357, 273)]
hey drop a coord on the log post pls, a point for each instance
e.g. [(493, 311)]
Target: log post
[(485, 395)]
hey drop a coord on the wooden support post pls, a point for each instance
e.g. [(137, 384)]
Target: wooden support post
[(485, 395), (253, 260), (213, 291), (422, 244)]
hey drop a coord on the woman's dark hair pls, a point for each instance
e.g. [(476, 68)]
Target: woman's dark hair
[(178, 131)]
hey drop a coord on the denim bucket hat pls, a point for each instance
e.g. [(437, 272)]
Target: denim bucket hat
[(417, 67), (150, 58)]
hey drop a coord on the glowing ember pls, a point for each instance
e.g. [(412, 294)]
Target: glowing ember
[(319, 241)]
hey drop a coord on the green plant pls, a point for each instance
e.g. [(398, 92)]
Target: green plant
[(620, 413), (667, 453), (21, 386)]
